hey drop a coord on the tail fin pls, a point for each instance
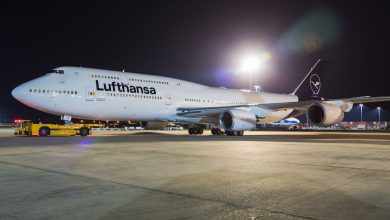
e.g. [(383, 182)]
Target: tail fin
[(315, 79)]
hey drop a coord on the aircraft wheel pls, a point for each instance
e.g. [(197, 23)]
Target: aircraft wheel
[(228, 133), (44, 131), (195, 130), (213, 131), (84, 131)]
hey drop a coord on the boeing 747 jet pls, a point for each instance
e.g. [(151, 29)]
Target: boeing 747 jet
[(98, 94)]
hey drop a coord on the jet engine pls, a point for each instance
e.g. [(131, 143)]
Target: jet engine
[(324, 114), (152, 125), (237, 120)]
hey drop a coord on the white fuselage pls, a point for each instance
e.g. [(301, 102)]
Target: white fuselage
[(110, 95)]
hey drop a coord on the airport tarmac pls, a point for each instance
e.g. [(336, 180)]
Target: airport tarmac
[(171, 175)]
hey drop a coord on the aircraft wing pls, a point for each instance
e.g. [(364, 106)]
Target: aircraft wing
[(365, 99), (263, 110)]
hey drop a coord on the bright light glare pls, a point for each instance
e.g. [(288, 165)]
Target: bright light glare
[(255, 62), (251, 63)]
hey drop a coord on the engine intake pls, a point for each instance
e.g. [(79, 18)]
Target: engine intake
[(237, 120), (324, 114)]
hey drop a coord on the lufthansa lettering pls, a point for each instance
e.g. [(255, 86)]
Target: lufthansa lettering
[(114, 86)]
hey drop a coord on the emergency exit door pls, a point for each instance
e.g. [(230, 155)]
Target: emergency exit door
[(90, 93)]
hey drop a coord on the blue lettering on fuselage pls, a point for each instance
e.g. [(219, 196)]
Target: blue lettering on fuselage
[(120, 87)]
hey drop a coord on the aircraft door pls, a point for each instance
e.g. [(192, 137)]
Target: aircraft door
[(168, 99), (90, 93)]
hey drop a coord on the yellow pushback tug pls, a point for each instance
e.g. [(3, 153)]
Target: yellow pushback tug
[(27, 127)]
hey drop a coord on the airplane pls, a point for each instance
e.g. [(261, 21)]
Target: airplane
[(287, 122), (97, 94)]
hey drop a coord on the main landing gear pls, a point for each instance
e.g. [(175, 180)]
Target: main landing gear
[(215, 131), (195, 130), (234, 133), (218, 131)]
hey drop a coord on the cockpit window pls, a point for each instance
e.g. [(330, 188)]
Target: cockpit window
[(59, 71)]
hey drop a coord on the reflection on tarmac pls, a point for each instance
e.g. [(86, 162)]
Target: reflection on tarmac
[(149, 175)]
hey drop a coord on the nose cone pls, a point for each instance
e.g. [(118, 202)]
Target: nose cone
[(20, 93), (16, 92)]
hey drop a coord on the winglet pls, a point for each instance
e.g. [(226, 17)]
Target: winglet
[(307, 75)]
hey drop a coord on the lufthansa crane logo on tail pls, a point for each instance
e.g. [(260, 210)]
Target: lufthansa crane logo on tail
[(315, 84)]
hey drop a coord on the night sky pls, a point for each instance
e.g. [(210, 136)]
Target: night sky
[(200, 41)]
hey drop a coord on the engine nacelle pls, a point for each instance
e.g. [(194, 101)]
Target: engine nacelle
[(237, 120), (324, 114), (152, 125)]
